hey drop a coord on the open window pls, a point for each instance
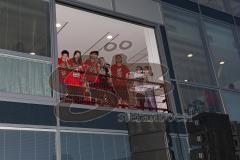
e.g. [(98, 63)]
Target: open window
[(119, 65)]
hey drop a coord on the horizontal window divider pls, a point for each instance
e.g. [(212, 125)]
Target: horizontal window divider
[(120, 110), (196, 84), (29, 99), (93, 131), (23, 127), (175, 135), (24, 56)]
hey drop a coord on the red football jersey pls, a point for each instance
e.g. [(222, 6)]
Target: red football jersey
[(120, 74), (63, 72), (91, 71)]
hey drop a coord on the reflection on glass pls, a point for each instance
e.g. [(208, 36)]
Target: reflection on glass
[(196, 100), (180, 148), (235, 5), (225, 54), (190, 59), (24, 76), (20, 144), (231, 102), (94, 146)]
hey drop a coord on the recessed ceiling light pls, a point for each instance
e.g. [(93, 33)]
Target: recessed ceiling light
[(32, 53), (58, 25), (190, 55), (185, 80), (109, 37), (221, 62)]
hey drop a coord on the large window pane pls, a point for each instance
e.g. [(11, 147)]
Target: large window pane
[(94, 146), (24, 26), (196, 100), (190, 60), (232, 104), (118, 62), (180, 148), (26, 145), (235, 5), (24, 76), (225, 54)]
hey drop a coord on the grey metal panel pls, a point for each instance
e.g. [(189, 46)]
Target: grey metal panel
[(144, 9), (107, 4)]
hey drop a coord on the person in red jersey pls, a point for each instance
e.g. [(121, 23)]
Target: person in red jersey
[(120, 74), (63, 69), (76, 60), (75, 77), (63, 65), (92, 68)]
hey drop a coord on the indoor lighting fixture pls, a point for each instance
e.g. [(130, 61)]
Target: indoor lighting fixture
[(58, 25), (32, 53), (221, 62), (185, 80), (190, 55), (109, 37)]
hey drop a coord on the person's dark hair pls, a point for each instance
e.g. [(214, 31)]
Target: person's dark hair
[(65, 52), (150, 70), (118, 55), (139, 67), (94, 52), (74, 54)]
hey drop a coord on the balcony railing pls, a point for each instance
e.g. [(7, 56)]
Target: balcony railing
[(141, 94)]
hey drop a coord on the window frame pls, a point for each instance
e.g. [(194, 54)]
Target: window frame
[(205, 48), (113, 15), (34, 99), (206, 19)]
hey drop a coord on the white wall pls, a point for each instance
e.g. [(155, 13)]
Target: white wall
[(144, 9)]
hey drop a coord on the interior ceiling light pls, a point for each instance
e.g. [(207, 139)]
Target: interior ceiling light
[(109, 37), (221, 62), (58, 25), (190, 55), (185, 80), (32, 53)]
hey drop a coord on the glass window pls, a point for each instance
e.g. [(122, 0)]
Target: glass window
[(118, 61), (196, 100), (24, 76), (94, 146), (24, 26), (235, 5), (16, 144), (225, 52), (180, 148), (232, 104), (190, 59)]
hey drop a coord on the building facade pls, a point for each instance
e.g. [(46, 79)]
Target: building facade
[(197, 40)]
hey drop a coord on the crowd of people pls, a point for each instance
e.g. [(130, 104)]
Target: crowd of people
[(84, 79)]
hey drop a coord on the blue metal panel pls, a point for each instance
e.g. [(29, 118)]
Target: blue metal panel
[(34, 114), (186, 4), (109, 121), (237, 20), (31, 114)]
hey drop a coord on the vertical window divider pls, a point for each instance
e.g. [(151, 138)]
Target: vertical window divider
[(206, 44), (54, 54)]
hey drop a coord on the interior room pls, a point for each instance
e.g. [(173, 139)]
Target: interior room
[(85, 31)]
